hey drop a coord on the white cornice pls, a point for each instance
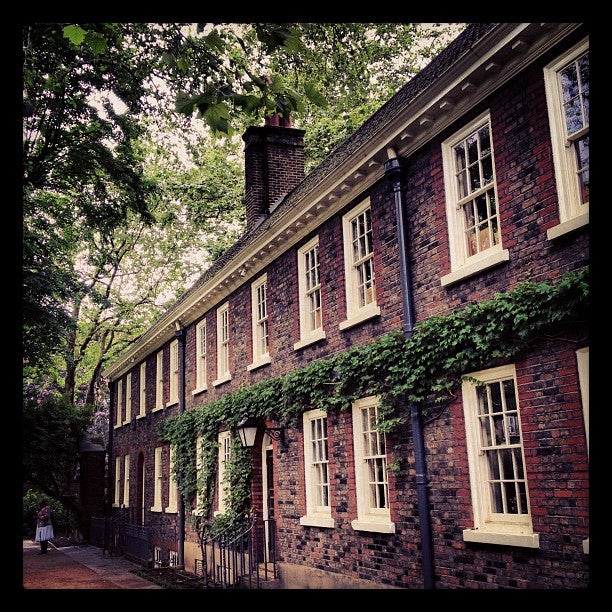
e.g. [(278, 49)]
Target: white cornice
[(495, 59)]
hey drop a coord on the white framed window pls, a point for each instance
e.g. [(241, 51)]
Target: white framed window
[(199, 500), (201, 380), (225, 453), (157, 551), (174, 372), (172, 484), (158, 480), (117, 500), (472, 210), (159, 381), (259, 318), (582, 357), (309, 287), (128, 399), (119, 411), (498, 479), (126, 481), (567, 96), (316, 470), (142, 407), (359, 265), (173, 558), (371, 475), (223, 345)]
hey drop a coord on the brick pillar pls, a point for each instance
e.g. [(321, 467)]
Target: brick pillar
[(274, 165)]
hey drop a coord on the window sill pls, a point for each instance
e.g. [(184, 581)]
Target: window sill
[(126, 422), (494, 259), (116, 426), (156, 509), (172, 403), (317, 521), (504, 539), (363, 315), (310, 339), (158, 409), (568, 226), (222, 380), (373, 526), (265, 360), (140, 416), (199, 390), (171, 510)]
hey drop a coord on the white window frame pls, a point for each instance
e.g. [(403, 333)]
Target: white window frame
[(200, 339), (370, 517), (355, 312), (260, 330), (582, 359), (573, 214), (508, 529), (158, 480), (462, 263), (128, 399), (173, 558), (199, 499), (172, 506), (126, 481), (117, 501), (142, 407), (158, 558), (174, 373), (316, 469), (159, 381), (119, 411), (225, 454), (223, 345), (309, 288)]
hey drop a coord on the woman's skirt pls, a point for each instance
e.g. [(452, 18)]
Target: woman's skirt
[(44, 533)]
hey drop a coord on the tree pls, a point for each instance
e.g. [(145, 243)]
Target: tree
[(52, 430)]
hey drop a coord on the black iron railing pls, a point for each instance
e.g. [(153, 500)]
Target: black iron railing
[(239, 558)]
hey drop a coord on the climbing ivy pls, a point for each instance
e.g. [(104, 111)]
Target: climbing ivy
[(424, 368)]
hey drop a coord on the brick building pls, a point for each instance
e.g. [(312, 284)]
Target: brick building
[(470, 183)]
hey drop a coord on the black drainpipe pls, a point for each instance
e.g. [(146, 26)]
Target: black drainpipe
[(110, 468), (180, 336), (393, 172)]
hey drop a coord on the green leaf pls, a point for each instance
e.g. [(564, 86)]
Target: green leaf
[(74, 34), (314, 95), (97, 42)]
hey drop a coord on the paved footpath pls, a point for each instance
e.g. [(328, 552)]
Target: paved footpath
[(78, 567)]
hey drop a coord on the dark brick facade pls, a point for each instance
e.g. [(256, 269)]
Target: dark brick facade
[(556, 454)]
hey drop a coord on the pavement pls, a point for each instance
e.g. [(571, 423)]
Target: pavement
[(78, 567)]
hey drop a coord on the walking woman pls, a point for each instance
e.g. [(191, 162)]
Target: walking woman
[(44, 527)]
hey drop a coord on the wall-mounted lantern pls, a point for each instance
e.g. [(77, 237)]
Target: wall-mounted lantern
[(247, 430)]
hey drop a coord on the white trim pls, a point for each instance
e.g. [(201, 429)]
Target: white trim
[(225, 447), (570, 206), (201, 357), (223, 362), (316, 516), (260, 357), (128, 399), (565, 227), (142, 387), (308, 335), (126, 481), (494, 528)]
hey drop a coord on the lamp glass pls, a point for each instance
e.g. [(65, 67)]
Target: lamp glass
[(247, 430)]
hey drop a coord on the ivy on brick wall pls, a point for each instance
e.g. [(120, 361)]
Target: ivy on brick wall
[(424, 368)]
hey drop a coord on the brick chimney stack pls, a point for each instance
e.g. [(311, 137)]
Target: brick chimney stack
[(274, 165)]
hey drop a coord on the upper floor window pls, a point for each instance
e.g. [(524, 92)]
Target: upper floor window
[(126, 481), (316, 470), (174, 372), (471, 201), (225, 453), (119, 403), (201, 380), (359, 265), (199, 498), (223, 345), (159, 381), (158, 480), (371, 475), (259, 315), (142, 409), (309, 287), (498, 479), (128, 399), (567, 93)]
